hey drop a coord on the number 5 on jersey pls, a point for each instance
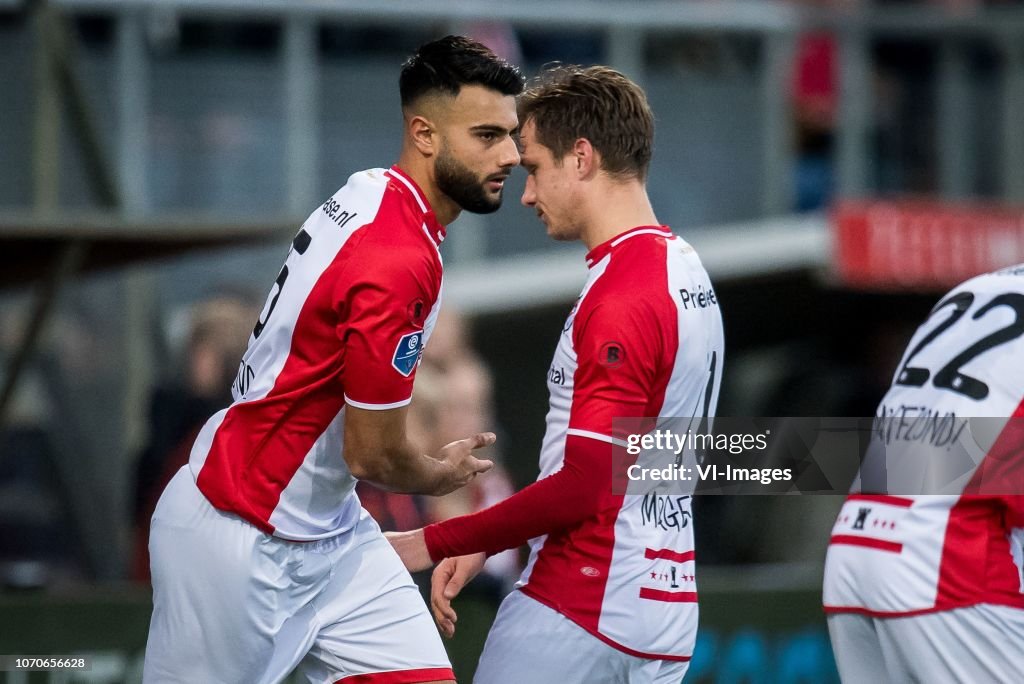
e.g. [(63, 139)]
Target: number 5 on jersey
[(300, 244)]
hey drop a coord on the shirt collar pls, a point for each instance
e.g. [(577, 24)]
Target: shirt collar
[(434, 230), (600, 251)]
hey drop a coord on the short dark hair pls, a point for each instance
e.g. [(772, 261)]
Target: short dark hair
[(447, 64), (567, 103)]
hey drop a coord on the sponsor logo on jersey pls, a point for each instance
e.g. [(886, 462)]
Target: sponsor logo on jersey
[(699, 298), (589, 571), (335, 213), (407, 353), (556, 375)]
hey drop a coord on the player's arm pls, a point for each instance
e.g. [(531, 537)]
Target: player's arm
[(558, 502), (378, 451), (582, 488), (381, 306)]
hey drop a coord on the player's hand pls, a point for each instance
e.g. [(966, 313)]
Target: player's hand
[(411, 547), (464, 466), (449, 577)]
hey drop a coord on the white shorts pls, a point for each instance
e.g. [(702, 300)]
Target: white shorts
[(233, 604), (530, 642), (982, 643)]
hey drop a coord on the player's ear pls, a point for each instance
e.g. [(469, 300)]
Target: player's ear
[(423, 134), (584, 156)]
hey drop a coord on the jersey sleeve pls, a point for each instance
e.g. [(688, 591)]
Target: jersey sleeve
[(557, 502), (618, 363), (382, 327)]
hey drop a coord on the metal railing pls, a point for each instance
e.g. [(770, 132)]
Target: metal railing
[(626, 27)]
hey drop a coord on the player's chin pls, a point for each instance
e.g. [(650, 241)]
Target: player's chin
[(488, 204), (555, 234)]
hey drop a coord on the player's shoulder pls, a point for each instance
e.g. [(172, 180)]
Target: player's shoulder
[(379, 193), (367, 185), (353, 205), (628, 304), (393, 218), (639, 275), (638, 264), (643, 243), (647, 257), (379, 252), (368, 178)]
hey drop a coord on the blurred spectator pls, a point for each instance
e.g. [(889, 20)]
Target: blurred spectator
[(448, 342), (815, 100), (219, 330)]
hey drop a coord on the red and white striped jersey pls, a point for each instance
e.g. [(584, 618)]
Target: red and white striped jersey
[(644, 339), (896, 554), (345, 322)]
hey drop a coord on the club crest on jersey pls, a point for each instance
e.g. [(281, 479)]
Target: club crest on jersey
[(407, 353), (417, 311), (611, 355)]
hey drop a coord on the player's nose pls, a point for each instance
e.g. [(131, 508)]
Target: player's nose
[(529, 197), (509, 153)]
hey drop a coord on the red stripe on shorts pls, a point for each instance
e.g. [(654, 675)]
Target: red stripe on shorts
[(901, 501), (869, 542), (432, 674), (668, 596), (668, 554)]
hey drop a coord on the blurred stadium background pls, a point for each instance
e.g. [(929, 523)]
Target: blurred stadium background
[(837, 163)]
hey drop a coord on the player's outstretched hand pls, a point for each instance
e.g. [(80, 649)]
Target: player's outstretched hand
[(449, 577), (411, 548), (464, 465)]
